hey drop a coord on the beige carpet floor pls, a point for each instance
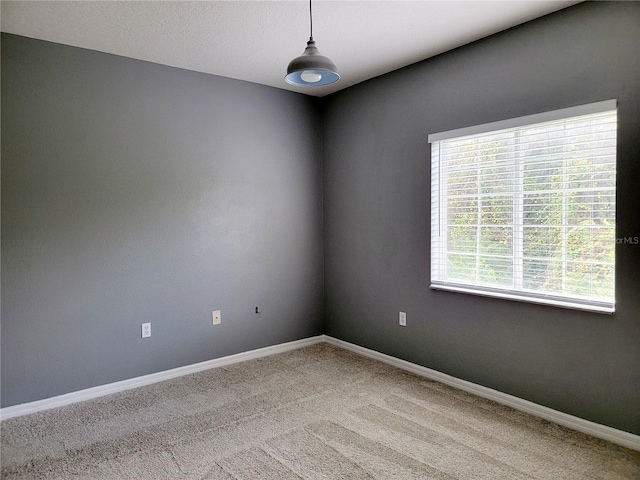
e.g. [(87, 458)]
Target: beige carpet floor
[(318, 412)]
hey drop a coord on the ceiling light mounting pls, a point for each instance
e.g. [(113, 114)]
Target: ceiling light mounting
[(311, 69)]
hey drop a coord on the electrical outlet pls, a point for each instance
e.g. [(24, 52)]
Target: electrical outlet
[(402, 319), (146, 330), (217, 317)]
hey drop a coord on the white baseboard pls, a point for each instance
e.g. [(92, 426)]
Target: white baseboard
[(619, 437), (99, 391), (614, 435)]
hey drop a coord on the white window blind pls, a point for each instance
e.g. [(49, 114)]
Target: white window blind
[(525, 208)]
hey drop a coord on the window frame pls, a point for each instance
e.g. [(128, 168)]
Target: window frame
[(509, 293)]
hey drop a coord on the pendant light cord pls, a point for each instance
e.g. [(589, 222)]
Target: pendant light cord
[(311, 19)]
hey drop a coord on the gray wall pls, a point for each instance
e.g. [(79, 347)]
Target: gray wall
[(134, 192), (377, 207)]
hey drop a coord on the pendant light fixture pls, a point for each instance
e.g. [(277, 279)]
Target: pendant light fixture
[(311, 69)]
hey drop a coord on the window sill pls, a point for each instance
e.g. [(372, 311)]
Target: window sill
[(541, 300)]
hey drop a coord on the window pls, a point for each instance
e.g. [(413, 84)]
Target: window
[(525, 208)]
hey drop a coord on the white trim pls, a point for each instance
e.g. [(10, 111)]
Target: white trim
[(563, 302), (619, 437), (614, 435), (563, 113), (102, 390)]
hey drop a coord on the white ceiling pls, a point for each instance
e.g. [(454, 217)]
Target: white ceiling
[(255, 40)]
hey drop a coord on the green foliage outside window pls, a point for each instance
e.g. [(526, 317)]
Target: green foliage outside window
[(554, 207)]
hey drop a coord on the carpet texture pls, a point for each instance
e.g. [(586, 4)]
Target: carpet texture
[(318, 412)]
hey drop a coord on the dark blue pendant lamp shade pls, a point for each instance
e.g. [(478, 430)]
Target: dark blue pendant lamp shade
[(311, 69)]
